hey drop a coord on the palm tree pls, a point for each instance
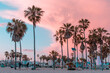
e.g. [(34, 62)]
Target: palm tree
[(65, 58), (92, 46), (12, 55), (47, 58), (82, 49), (23, 31), (40, 59), (6, 54), (53, 55), (34, 15), (43, 58), (84, 24), (101, 32), (76, 39), (59, 37), (15, 30), (67, 28), (25, 58)]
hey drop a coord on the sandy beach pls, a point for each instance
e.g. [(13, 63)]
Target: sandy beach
[(49, 70)]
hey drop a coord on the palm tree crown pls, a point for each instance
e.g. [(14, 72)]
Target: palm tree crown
[(34, 14), (16, 29)]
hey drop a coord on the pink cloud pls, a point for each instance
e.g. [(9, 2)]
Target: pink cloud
[(27, 50), (58, 12), (2, 24)]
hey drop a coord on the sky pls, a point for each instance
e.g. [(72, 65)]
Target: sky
[(56, 13)]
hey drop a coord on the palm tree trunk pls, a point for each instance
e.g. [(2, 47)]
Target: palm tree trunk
[(91, 63), (74, 53), (85, 49), (101, 58), (82, 60), (67, 52), (43, 63), (53, 64), (34, 47), (77, 56), (15, 55), (20, 51), (62, 56)]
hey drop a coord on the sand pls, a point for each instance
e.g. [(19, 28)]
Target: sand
[(49, 70)]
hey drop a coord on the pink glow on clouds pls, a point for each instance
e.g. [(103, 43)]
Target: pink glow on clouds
[(63, 11), (2, 24)]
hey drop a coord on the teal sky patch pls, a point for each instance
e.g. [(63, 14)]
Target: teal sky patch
[(4, 6)]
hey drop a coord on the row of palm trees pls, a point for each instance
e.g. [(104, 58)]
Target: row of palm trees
[(98, 37), (53, 55), (11, 55), (17, 28), (56, 58), (76, 32)]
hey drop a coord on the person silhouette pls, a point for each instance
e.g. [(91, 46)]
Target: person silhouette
[(27, 65), (20, 65)]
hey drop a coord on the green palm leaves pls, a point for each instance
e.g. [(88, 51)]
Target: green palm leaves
[(17, 29), (34, 14), (67, 28)]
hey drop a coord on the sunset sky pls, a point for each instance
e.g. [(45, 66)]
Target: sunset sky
[(56, 13)]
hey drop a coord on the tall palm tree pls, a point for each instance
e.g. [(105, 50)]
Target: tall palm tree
[(67, 28), (76, 39), (15, 29), (53, 55), (81, 50), (101, 32), (92, 46), (59, 37), (34, 15), (84, 24), (23, 30)]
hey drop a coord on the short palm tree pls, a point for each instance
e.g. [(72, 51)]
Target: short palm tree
[(43, 58), (15, 30), (47, 58), (53, 55), (11, 55), (34, 15), (59, 37), (67, 28), (84, 24), (25, 58), (6, 54)]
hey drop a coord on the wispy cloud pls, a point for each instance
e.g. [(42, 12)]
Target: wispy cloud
[(58, 12), (27, 50), (2, 24)]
